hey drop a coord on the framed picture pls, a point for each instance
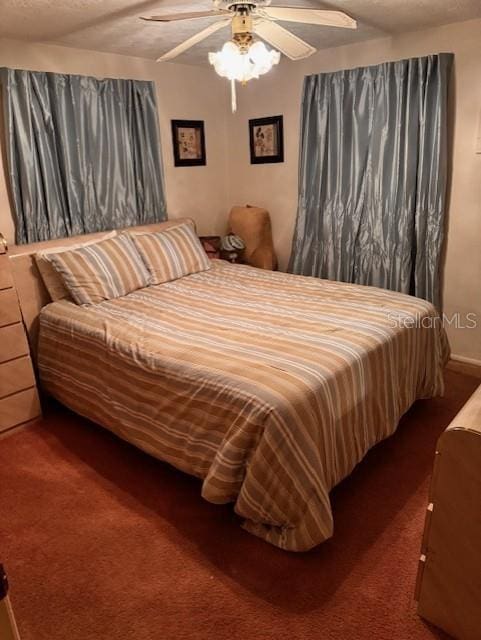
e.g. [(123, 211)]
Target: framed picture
[(189, 143), (266, 140)]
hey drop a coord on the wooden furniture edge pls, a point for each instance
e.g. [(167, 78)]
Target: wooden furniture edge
[(448, 585), (19, 397), (8, 625)]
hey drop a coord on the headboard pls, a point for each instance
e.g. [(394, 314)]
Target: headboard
[(31, 291)]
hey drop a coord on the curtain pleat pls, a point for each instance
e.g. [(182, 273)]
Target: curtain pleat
[(83, 153), (372, 176)]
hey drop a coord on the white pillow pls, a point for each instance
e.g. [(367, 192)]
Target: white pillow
[(52, 280)]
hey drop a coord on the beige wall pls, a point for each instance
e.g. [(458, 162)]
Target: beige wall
[(275, 186), (183, 92)]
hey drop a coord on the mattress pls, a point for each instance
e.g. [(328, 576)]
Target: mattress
[(270, 387)]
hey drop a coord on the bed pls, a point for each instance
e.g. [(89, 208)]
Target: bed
[(270, 387)]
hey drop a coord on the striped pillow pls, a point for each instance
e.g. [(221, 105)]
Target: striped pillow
[(51, 279), (172, 253), (108, 269)]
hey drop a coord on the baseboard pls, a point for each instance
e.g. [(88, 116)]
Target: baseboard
[(465, 360), (466, 366)]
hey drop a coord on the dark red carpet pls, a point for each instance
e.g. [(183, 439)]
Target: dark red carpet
[(101, 541)]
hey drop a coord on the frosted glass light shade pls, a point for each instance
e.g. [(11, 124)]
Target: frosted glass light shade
[(232, 63)]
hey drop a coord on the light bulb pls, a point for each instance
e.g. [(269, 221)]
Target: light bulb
[(232, 63)]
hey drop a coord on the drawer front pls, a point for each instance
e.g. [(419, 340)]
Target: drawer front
[(19, 408), (16, 375), (9, 309), (13, 342), (6, 279)]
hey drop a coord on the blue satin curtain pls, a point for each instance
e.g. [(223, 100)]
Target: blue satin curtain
[(83, 153), (372, 176)]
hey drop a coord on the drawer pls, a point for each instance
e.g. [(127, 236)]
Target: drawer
[(9, 309), (13, 342), (16, 375), (19, 408), (6, 279)]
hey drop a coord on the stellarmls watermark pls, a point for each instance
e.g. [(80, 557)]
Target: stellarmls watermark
[(400, 320)]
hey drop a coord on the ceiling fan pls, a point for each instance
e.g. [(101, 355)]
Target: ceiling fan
[(260, 18)]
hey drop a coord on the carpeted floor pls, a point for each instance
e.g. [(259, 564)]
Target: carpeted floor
[(103, 542)]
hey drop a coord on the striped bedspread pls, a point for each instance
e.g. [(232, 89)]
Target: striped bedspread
[(268, 386)]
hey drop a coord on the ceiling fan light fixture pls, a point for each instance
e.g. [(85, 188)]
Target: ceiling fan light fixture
[(243, 61), (239, 63), (262, 57)]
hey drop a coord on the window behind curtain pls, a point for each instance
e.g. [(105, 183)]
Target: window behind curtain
[(83, 154), (372, 179)]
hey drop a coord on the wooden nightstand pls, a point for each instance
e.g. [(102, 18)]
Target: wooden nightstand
[(19, 401)]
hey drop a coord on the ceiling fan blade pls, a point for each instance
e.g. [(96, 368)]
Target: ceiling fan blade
[(283, 40), (171, 17), (195, 39), (311, 16)]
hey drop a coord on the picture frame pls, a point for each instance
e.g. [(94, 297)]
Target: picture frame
[(188, 141), (266, 140)]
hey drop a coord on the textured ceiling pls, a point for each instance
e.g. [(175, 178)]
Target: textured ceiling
[(113, 25)]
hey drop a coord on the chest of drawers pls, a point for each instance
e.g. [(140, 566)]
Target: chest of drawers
[(19, 401), (448, 587)]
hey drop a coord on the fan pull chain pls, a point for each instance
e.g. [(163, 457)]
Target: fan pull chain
[(233, 96)]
